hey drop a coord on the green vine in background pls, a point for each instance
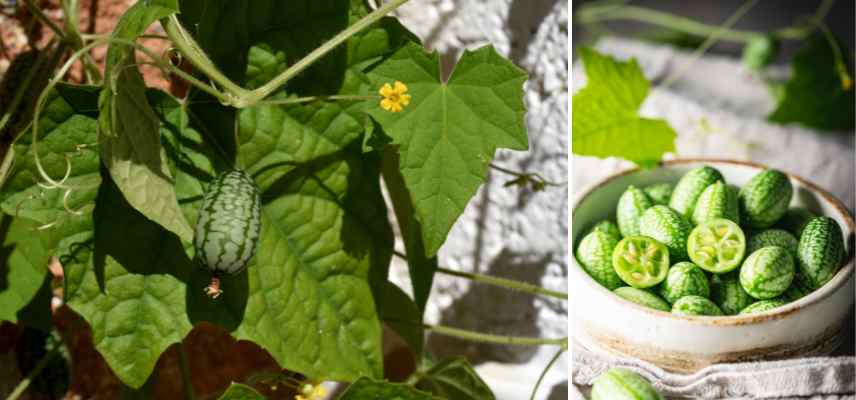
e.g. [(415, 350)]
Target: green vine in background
[(602, 11)]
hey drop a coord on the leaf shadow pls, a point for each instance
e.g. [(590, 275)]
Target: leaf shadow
[(365, 231), (5, 252), (139, 246)]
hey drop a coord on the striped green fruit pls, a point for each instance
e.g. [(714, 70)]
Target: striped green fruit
[(640, 261), (660, 193), (684, 279), (767, 272), (727, 293), (773, 237), (642, 297), (717, 245), (631, 206), (608, 227), (695, 305), (595, 255), (668, 227), (690, 187), (761, 306), (795, 220), (820, 252), (228, 227), (717, 201), (765, 198), (622, 384)]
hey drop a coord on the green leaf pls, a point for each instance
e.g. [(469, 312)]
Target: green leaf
[(454, 379), (402, 315), (130, 290), (370, 389), (46, 222), (25, 291), (307, 297), (129, 132), (449, 133), (67, 146), (238, 391), (817, 95), (606, 122)]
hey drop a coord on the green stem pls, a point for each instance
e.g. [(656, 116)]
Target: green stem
[(24, 87), (498, 339), (593, 14), (518, 174), (544, 372), (185, 372), (185, 43), (500, 282), (710, 41), (275, 83), (37, 12), (25, 383), (72, 36), (310, 99)]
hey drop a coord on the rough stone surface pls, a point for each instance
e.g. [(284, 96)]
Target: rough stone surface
[(508, 231)]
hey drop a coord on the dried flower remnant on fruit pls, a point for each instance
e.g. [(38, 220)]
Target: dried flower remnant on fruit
[(395, 97)]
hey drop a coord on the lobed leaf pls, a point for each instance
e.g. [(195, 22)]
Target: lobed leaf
[(606, 122), (455, 379), (366, 388), (449, 133)]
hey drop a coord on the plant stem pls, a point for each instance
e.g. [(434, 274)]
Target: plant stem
[(500, 282), (498, 339), (310, 99), (526, 174), (275, 83), (37, 12), (187, 45), (716, 35), (24, 87), (185, 372), (25, 383), (544, 372), (593, 14)]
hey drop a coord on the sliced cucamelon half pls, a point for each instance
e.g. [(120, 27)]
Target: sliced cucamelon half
[(641, 261), (717, 246)]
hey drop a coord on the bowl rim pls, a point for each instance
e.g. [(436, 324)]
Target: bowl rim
[(839, 280)]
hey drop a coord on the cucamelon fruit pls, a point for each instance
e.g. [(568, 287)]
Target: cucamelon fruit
[(684, 279), (767, 272), (695, 305), (727, 293), (773, 237), (595, 255), (717, 201), (608, 227), (228, 227), (631, 205), (622, 384), (660, 193), (820, 252), (717, 246), (690, 187), (765, 198), (643, 297), (668, 227), (761, 306), (641, 261)]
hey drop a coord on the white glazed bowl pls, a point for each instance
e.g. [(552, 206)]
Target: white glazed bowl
[(807, 327)]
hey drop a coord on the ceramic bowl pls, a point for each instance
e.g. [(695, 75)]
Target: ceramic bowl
[(603, 321)]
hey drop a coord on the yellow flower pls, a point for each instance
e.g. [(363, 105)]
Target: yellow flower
[(395, 98), (311, 392)]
